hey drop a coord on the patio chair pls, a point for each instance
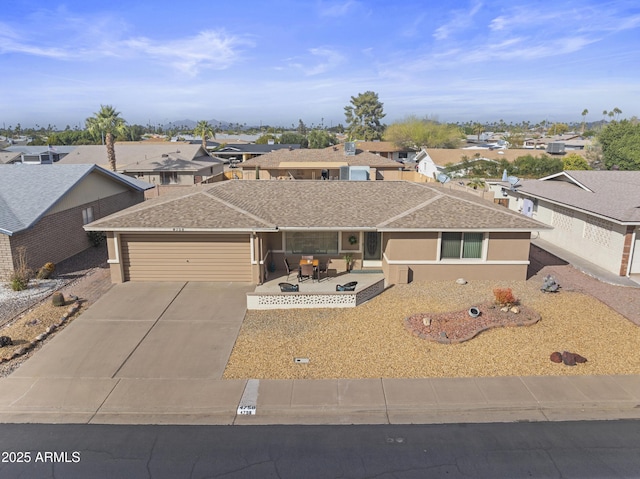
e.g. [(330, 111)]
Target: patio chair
[(289, 270), (305, 271), (288, 287), (347, 286), (323, 268)]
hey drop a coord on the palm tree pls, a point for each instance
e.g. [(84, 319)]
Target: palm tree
[(585, 112), (106, 124), (204, 130), (617, 111)]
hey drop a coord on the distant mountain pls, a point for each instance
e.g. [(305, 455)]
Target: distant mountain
[(190, 124)]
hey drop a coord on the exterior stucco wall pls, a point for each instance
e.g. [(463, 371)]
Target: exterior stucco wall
[(414, 257), (508, 246), (94, 185), (60, 235), (601, 243), (411, 246)]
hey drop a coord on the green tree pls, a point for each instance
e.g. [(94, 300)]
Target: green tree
[(617, 112), (478, 129), (107, 122), (536, 167), (413, 132), (302, 128), (574, 161), (363, 117), (289, 138), (264, 139), (321, 139), (620, 142), (558, 129), (204, 130)]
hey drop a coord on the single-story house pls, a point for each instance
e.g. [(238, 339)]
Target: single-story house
[(333, 163), (236, 230), (43, 209), (159, 163), (7, 157), (595, 214), (238, 152), (389, 150), (41, 155)]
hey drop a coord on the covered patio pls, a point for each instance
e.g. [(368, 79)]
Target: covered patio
[(316, 294)]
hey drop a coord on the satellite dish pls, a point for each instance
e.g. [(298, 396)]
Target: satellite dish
[(442, 178), (513, 180)]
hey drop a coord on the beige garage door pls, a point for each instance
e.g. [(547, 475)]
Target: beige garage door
[(185, 257)]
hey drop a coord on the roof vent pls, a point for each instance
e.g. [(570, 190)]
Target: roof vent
[(350, 148), (165, 155)]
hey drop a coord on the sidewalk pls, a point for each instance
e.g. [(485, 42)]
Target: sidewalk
[(360, 401)]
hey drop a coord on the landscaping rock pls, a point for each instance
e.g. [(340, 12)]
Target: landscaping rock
[(461, 281), (426, 321), (556, 357), (57, 299), (568, 358), (579, 359), (5, 341), (515, 310)]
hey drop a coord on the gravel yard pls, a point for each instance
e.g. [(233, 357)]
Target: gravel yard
[(371, 341)]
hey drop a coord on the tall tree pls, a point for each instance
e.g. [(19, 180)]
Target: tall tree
[(109, 123), (413, 132), (617, 111), (321, 139), (620, 143), (204, 130), (363, 117), (585, 112)]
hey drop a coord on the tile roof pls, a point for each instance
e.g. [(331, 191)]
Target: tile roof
[(27, 192), (612, 194), (323, 155), (304, 204)]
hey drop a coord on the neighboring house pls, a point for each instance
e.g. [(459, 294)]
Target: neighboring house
[(231, 231), (332, 163), (594, 214), (159, 163), (43, 209), (8, 157), (389, 150), (41, 155), (428, 167), (243, 152)]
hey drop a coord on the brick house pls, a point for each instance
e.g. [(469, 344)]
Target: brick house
[(43, 209)]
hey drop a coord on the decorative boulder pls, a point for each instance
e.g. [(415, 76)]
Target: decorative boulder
[(5, 341), (57, 299), (579, 359), (556, 357), (568, 358), (461, 281)]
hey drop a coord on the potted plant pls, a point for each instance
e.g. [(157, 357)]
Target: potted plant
[(348, 261)]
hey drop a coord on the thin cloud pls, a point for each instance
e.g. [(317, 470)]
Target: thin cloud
[(336, 9), (460, 20), (331, 59)]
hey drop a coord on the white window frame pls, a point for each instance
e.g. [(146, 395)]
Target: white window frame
[(87, 215)]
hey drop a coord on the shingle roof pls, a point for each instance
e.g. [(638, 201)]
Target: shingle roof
[(145, 156), (613, 194), (303, 204), (27, 192), (323, 155)]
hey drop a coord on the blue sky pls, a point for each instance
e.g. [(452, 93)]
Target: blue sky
[(279, 61)]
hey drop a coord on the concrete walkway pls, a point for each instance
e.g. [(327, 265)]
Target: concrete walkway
[(154, 353)]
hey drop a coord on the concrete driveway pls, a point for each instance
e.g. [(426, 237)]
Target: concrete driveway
[(138, 342)]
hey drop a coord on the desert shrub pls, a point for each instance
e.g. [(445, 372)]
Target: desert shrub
[(19, 278), (96, 237), (46, 271), (504, 296)]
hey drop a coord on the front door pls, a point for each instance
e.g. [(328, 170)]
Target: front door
[(372, 254)]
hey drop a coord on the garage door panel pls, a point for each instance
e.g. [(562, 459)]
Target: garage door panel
[(169, 257)]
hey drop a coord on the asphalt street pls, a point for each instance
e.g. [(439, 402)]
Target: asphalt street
[(593, 449)]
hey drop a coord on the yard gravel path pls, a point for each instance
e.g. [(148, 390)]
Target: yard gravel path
[(371, 341)]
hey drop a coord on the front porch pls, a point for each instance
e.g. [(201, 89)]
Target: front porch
[(317, 294)]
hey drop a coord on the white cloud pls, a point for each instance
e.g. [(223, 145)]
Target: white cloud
[(460, 19)]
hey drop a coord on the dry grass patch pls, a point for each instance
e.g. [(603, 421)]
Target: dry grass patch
[(370, 341)]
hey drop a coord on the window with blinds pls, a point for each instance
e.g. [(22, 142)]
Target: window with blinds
[(461, 245)]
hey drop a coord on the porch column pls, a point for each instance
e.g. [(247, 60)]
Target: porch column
[(626, 250)]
